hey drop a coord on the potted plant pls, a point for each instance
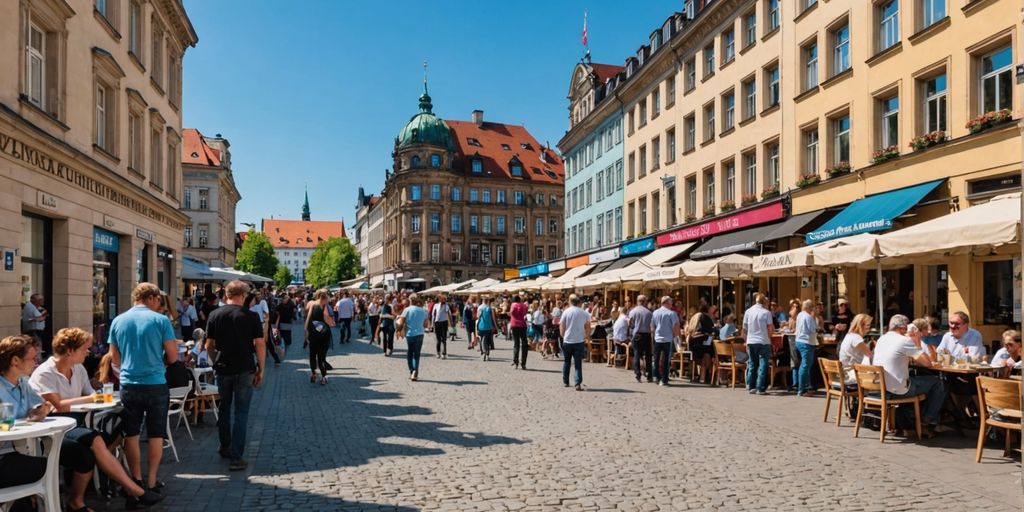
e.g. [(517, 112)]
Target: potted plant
[(988, 120), (770, 191), (928, 140), (727, 206), (689, 218), (884, 154), (748, 199), (838, 169), (808, 180), (709, 210)]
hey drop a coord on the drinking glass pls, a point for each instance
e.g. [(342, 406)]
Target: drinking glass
[(108, 393), (6, 417)]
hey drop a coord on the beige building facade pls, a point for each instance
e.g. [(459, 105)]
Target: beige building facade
[(90, 173), (209, 197)]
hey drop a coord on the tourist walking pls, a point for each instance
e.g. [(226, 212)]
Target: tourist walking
[(318, 335), (441, 315), (665, 326), (413, 322), (387, 326), (142, 343), (373, 312), (346, 310), (285, 318), (235, 342), (806, 343), (188, 318), (758, 329), (517, 324), (575, 328), (469, 321), (33, 320), (640, 320), (487, 321)]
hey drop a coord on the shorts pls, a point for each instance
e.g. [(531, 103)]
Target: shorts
[(699, 349), (147, 402)]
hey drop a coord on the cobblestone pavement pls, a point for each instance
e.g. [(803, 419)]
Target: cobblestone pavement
[(472, 435)]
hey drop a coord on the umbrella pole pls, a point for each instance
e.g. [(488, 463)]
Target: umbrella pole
[(878, 287), (721, 287)]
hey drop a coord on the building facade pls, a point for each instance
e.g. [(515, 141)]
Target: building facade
[(295, 240), (593, 159), (209, 197), (90, 134), (468, 199)]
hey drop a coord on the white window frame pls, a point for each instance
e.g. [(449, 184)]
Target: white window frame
[(994, 75), (932, 11), (102, 107), (936, 101), (773, 15), (728, 46), (890, 115), (774, 88), (812, 143), (35, 62), (729, 182), (840, 49), (841, 135), (750, 171), (729, 111), (810, 66), (888, 26), (772, 153)]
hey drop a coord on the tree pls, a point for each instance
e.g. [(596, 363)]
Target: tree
[(283, 276), (334, 259), (257, 255)]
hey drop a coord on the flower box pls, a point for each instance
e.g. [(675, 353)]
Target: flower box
[(727, 206), (709, 211), (838, 169), (928, 140), (885, 154), (808, 180), (989, 119), (748, 199), (689, 218), (770, 191)]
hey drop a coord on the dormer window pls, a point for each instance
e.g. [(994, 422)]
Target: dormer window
[(473, 142), (435, 160), (526, 146), (478, 165), (506, 147), (414, 161), (517, 169)]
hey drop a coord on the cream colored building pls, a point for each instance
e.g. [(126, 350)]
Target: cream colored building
[(90, 174), (209, 197)]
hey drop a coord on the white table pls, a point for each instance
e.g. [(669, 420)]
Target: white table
[(28, 434)]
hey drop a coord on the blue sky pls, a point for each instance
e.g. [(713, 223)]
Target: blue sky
[(313, 92)]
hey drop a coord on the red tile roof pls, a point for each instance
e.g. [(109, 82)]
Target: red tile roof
[(195, 150), (301, 234), (606, 71), (493, 138)]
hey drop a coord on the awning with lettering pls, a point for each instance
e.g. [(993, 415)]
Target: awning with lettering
[(873, 213), (751, 239)]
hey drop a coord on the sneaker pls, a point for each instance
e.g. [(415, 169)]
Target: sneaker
[(762, 393), (565, 384), (638, 378), (444, 356), (238, 465), (323, 380), (415, 375), (751, 391), (661, 383), (579, 387)]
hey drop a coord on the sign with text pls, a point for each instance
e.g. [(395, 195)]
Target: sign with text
[(602, 256), (8, 260), (105, 240), (742, 220), (533, 270), (637, 247)]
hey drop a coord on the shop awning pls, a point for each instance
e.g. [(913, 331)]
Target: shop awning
[(477, 286), (704, 272), (874, 213), (529, 284), (567, 280), (631, 269), (196, 270), (751, 239), (242, 275)]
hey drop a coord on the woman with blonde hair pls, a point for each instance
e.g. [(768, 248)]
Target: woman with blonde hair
[(854, 349)]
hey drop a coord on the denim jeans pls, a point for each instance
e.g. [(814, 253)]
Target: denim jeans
[(486, 342), (642, 351), (346, 329), (235, 390), (412, 355), (662, 361), (803, 373), (757, 365), (145, 402), (575, 352), (934, 390)]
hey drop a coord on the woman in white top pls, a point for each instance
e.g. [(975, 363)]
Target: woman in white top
[(1009, 354), (620, 335), (854, 350), (537, 320)]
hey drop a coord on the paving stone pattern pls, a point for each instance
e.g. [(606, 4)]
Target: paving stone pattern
[(474, 435)]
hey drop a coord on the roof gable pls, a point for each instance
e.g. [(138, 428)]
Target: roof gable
[(497, 145), (195, 150)]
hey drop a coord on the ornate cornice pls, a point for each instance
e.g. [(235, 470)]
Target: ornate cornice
[(173, 12)]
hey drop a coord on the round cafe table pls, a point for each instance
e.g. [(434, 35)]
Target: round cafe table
[(28, 434)]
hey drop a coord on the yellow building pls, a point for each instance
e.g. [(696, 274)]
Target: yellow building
[(90, 173)]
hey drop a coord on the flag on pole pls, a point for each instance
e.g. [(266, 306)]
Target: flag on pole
[(584, 28)]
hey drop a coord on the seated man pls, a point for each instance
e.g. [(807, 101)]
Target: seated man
[(893, 352), (962, 342)]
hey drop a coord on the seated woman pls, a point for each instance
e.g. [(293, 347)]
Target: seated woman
[(109, 373), (854, 349), (728, 329), (620, 336), (62, 381), (1009, 355)]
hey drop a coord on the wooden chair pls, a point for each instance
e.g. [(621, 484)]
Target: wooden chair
[(595, 350), (835, 386), (775, 367), (1003, 397), (871, 379), (686, 364), (725, 361)]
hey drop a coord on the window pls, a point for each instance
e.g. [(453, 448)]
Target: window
[(435, 160), (749, 99), (499, 225), (187, 201), (773, 15), (709, 189), (655, 103), (772, 156), (539, 252), (435, 222), (772, 75), (935, 103), (643, 161), (485, 196), (655, 211), (204, 235), (599, 185), (709, 121), (890, 122), (670, 145), (188, 236), (932, 11), (691, 74), (173, 79), (478, 165), (520, 254), (655, 153), (998, 287), (538, 226), (474, 195), (810, 66), (204, 198), (105, 118), (630, 116), (642, 108), (456, 223), (552, 226), (728, 111), (435, 252), (618, 223), (750, 174), (996, 80), (415, 250), (750, 26), (609, 227), (500, 196), (811, 151), (156, 171), (474, 225), (670, 92), (642, 215), (632, 219), (456, 193), (107, 9), (729, 183), (499, 254), (618, 175), (486, 224), (889, 28), (588, 191), (728, 46), (517, 170), (135, 29), (414, 162), (690, 125), (415, 223), (519, 197), (840, 49), (435, 192), (553, 199), (632, 167), (709, 61), (457, 254), (156, 60), (415, 193), (135, 141), (36, 65), (841, 139), (519, 225)]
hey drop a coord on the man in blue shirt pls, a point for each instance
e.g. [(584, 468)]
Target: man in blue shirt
[(414, 320), (665, 324), (142, 343), (640, 323)]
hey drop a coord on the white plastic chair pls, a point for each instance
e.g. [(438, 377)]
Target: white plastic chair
[(47, 487), (177, 408), (206, 392)]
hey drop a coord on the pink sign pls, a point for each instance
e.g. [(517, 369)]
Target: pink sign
[(761, 215)]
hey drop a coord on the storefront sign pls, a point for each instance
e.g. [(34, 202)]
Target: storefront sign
[(608, 255), (1016, 289), (163, 252), (578, 261), (105, 240), (558, 265), (511, 273), (533, 270), (637, 246), (9, 260), (143, 234), (761, 215), (31, 156), (45, 200)]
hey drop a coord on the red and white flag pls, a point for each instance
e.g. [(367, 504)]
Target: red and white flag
[(584, 28)]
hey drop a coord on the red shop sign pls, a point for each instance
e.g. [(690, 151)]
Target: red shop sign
[(742, 220)]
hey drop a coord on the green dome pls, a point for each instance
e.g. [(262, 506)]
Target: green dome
[(425, 127)]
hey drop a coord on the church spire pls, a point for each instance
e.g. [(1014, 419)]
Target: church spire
[(425, 105), (305, 207)]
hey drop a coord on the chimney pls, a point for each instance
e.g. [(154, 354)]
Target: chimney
[(478, 118)]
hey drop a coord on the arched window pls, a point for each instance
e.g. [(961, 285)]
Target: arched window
[(415, 162), (435, 160)]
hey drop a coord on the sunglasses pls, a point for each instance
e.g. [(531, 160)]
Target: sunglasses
[(954, 325)]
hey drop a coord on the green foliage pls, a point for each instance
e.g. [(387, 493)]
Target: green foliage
[(283, 276), (257, 255), (334, 259)]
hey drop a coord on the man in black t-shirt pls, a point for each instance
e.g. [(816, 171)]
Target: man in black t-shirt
[(209, 305), (285, 316), (233, 336), (841, 320)]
